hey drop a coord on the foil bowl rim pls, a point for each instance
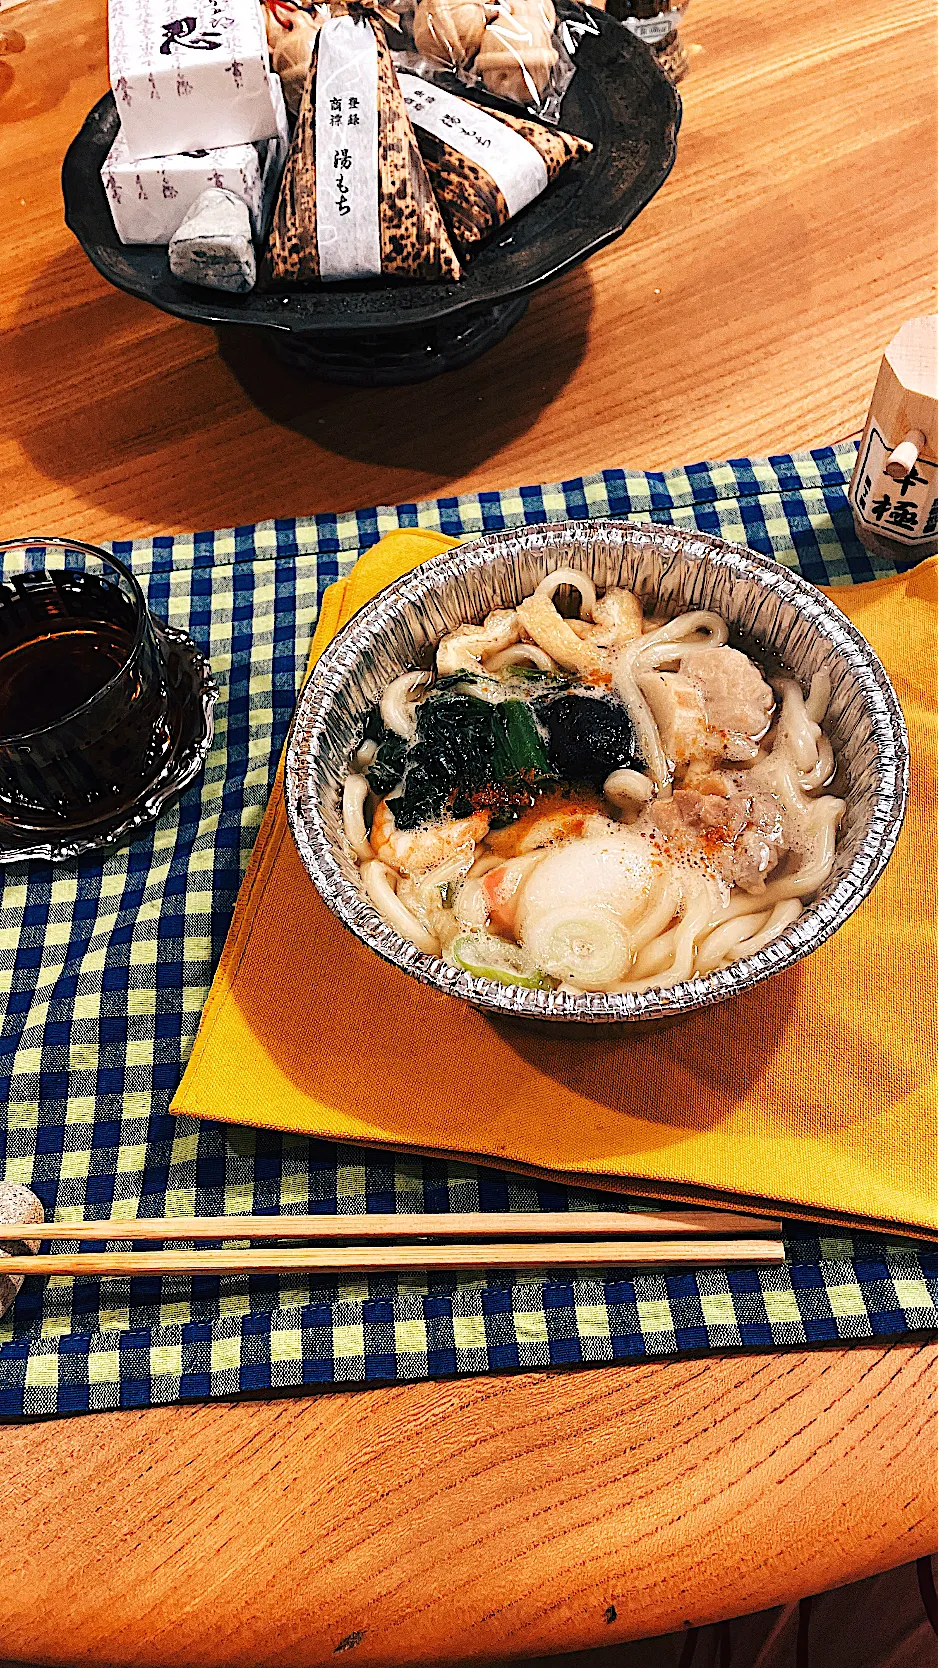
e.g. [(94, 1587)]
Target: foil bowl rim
[(818, 922)]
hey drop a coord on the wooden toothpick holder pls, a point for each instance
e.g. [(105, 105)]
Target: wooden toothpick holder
[(893, 488)]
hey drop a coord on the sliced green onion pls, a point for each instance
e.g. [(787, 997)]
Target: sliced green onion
[(519, 748), (487, 957), (583, 946)]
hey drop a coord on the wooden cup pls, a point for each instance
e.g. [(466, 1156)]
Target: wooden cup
[(893, 488)]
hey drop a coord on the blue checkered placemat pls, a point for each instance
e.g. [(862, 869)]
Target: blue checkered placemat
[(104, 970)]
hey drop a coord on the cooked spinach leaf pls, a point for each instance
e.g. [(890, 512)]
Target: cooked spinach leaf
[(387, 767), (472, 754), (468, 755)]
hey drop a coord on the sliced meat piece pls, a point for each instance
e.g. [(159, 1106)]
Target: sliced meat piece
[(715, 708), (702, 775), (678, 709), (738, 701), (759, 847), (724, 816), (741, 835)]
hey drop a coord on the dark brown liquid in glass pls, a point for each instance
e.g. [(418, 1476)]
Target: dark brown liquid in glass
[(43, 679), (62, 638), (65, 636)]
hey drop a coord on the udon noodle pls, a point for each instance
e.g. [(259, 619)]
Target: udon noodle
[(604, 802)]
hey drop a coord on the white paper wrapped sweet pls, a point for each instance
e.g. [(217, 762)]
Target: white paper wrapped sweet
[(150, 199), (518, 169), (190, 75)]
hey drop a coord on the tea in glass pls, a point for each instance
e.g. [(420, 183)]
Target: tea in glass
[(84, 722)]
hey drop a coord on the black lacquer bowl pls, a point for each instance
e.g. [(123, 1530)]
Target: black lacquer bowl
[(397, 331)]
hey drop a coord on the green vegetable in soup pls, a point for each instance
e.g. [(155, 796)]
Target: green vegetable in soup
[(387, 767), (470, 752), (519, 749), (488, 957)]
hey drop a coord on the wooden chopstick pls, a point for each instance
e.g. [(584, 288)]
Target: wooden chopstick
[(338, 1259), (459, 1225)]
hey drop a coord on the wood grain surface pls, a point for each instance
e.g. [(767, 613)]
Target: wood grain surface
[(744, 312), (479, 1520), (460, 1522)]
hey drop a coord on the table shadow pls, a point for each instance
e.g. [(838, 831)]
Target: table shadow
[(444, 427), (125, 390), (369, 1055), (158, 395), (721, 1051)]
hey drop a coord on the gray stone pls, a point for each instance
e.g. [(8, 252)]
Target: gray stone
[(17, 1204), (213, 245)]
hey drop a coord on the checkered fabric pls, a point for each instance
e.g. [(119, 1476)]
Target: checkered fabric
[(104, 970)]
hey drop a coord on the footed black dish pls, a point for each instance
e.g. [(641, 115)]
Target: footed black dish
[(383, 331)]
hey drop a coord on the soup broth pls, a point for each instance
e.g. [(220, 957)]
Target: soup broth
[(586, 798)]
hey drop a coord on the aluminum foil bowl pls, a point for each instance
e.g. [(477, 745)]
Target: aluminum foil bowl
[(675, 570)]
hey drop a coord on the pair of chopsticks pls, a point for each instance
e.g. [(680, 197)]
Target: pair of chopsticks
[(482, 1240)]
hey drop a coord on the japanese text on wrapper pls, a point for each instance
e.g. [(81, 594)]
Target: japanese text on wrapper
[(343, 112), (183, 31), (419, 102), (905, 510), (200, 34)]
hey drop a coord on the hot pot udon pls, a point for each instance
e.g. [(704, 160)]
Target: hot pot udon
[(605, 802), (596, 772)]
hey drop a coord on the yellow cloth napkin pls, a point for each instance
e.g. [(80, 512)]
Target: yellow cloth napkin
[(810, 1093)]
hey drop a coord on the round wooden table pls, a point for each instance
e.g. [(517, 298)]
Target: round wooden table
[(479, 1520)]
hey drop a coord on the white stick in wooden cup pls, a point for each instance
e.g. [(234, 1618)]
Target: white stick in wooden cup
[(894, 486)]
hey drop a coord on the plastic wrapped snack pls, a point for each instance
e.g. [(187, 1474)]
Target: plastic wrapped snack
[(450, 32), (355, 200), (484, 165), (291, 31), (517, 49), (517, 55)]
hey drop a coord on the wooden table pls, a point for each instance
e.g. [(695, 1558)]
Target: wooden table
[(745, 312)]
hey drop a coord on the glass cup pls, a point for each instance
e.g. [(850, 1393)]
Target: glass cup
[(84, 706)]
